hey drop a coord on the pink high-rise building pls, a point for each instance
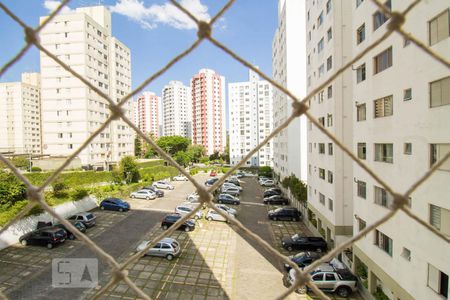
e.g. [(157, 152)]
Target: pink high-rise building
[(208, 110), (148, 113)]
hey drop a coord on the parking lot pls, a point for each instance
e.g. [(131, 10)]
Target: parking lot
[(217, 261)]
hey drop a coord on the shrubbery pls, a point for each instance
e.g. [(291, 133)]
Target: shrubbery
[(71, 178), (79, 193), (36, 169), (296, 186)]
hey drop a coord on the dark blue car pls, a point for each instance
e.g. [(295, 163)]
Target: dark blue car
[(114, 204)]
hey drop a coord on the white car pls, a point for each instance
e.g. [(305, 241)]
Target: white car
[(143, 194), (231, 185), (234, 191), (163, 185), (193, 197), (185, 208), (180, 178), (268, 183), (212, 215), (227, 209)]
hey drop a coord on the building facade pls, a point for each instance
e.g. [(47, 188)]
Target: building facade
[(148, 113), (208, 111), (288, 63), (177, 109), (330, 179), (20, 107), (401, 99), (251, 120), (71, 111)]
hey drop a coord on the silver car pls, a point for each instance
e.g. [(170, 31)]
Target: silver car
[(185, 208), (227, 209), (212, 215), (167, 247), (143, 194)]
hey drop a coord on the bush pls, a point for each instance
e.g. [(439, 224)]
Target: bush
[(11, 189), (265, 171), (72, 178), (59, 188), (36, 169), (79, 194), (129, 170), (152, 163), (193, 171)]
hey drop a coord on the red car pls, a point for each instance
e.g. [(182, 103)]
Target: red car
[(213, 173)]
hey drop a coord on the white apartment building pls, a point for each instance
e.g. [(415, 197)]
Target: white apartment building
[(251, 120), (71, 111), (20, 107), (177, 109), (330, 179), (148, 113), (401, 118), (208, 111), (288, 67)]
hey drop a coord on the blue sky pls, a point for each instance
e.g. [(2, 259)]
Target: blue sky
[(154, 34)]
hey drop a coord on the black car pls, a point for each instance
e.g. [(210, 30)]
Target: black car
[(303, 259), (228, 199), (170, 219), (305, 243), (285, 213), (276, 200), (271, 192), (158, 193), (80, 226), (211, 181), (274, 189), (46, 236)]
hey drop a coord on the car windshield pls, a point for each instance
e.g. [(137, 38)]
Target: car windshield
[(59, 233), (295, 237), (299, 255), (89, 216), (278, 210), (175, 245)]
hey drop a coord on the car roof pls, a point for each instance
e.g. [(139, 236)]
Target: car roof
[(50, 229), (325, 267)]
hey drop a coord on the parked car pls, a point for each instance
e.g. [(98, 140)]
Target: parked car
[(170, 219), (114, 204), (285, 214), (193, 197), (240, 175), (303, 259), (230, 190), (305, 243), (87, 218), (167, 247), (163, 185), (271, 192), (180, 178), (274, 189), (234, 181), (212, 215), (46, 236), (327, 279), (213, 174), (228, 209), (159, 193), (70, 235), (276, 200), (261, 179), (228, 199), (268, 182), (143, 194), (185, 208), (232, 185), (211, 181)]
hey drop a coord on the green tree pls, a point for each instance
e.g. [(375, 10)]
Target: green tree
[(173, 144), (196, 152), (182, 158), (137, 147), (116, 176), (265, 171), (129, 169), (214, 156), (11, 189), (59, 188)]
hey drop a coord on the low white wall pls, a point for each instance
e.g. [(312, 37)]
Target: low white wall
[(12, 234)]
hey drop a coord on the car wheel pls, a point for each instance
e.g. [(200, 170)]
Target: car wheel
[(148, 198), (164, 227), (169, 256), (133, 196), (102, 207), (49, 245), (209, 219), (343, 291), (121, 209), (187, 229), (235, 203), (319, 250), (294, 219), (196, 217), (220, 201), (24, 242), (71, 236), (301, 290), (275, 219), (289, 248)]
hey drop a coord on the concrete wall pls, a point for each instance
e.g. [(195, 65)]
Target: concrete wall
[(54, 162), (14, 232)]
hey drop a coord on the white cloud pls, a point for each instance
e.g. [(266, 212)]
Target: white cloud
[(51, 5), (149, 17)]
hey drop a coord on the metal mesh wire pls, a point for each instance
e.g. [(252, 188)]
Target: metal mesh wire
[(119, 273)]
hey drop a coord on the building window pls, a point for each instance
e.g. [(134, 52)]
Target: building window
[(321, 148), (361, 224), (70, 146), (384, 153), (362, 150), (383, 242), (406, 254), (358, 2), (383, 61), (383, 107), (322, 198), (320, 45), (437, 152), (329, 120), (438, 28), (360, 34), (329, 34), (322, 121), (361, 73), (440, 92), (330, 148), (379, 18), (407, 94), (330, 177), (381, 197), (437, 281), (330, 204), (60, 135), (361, 189), (440, 219), (321, 70), (329, 63), (361, 112), (322, 173), (330, 91), (406, 42), (328, 6), (320, 19), (407, 148)]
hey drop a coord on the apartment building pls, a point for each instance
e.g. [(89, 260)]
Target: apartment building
[(330, 180), (401, 109), (251, 120), (20, 125), (208, 111), (288, 62), (71, 111), (148, 111), (177, 109)]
